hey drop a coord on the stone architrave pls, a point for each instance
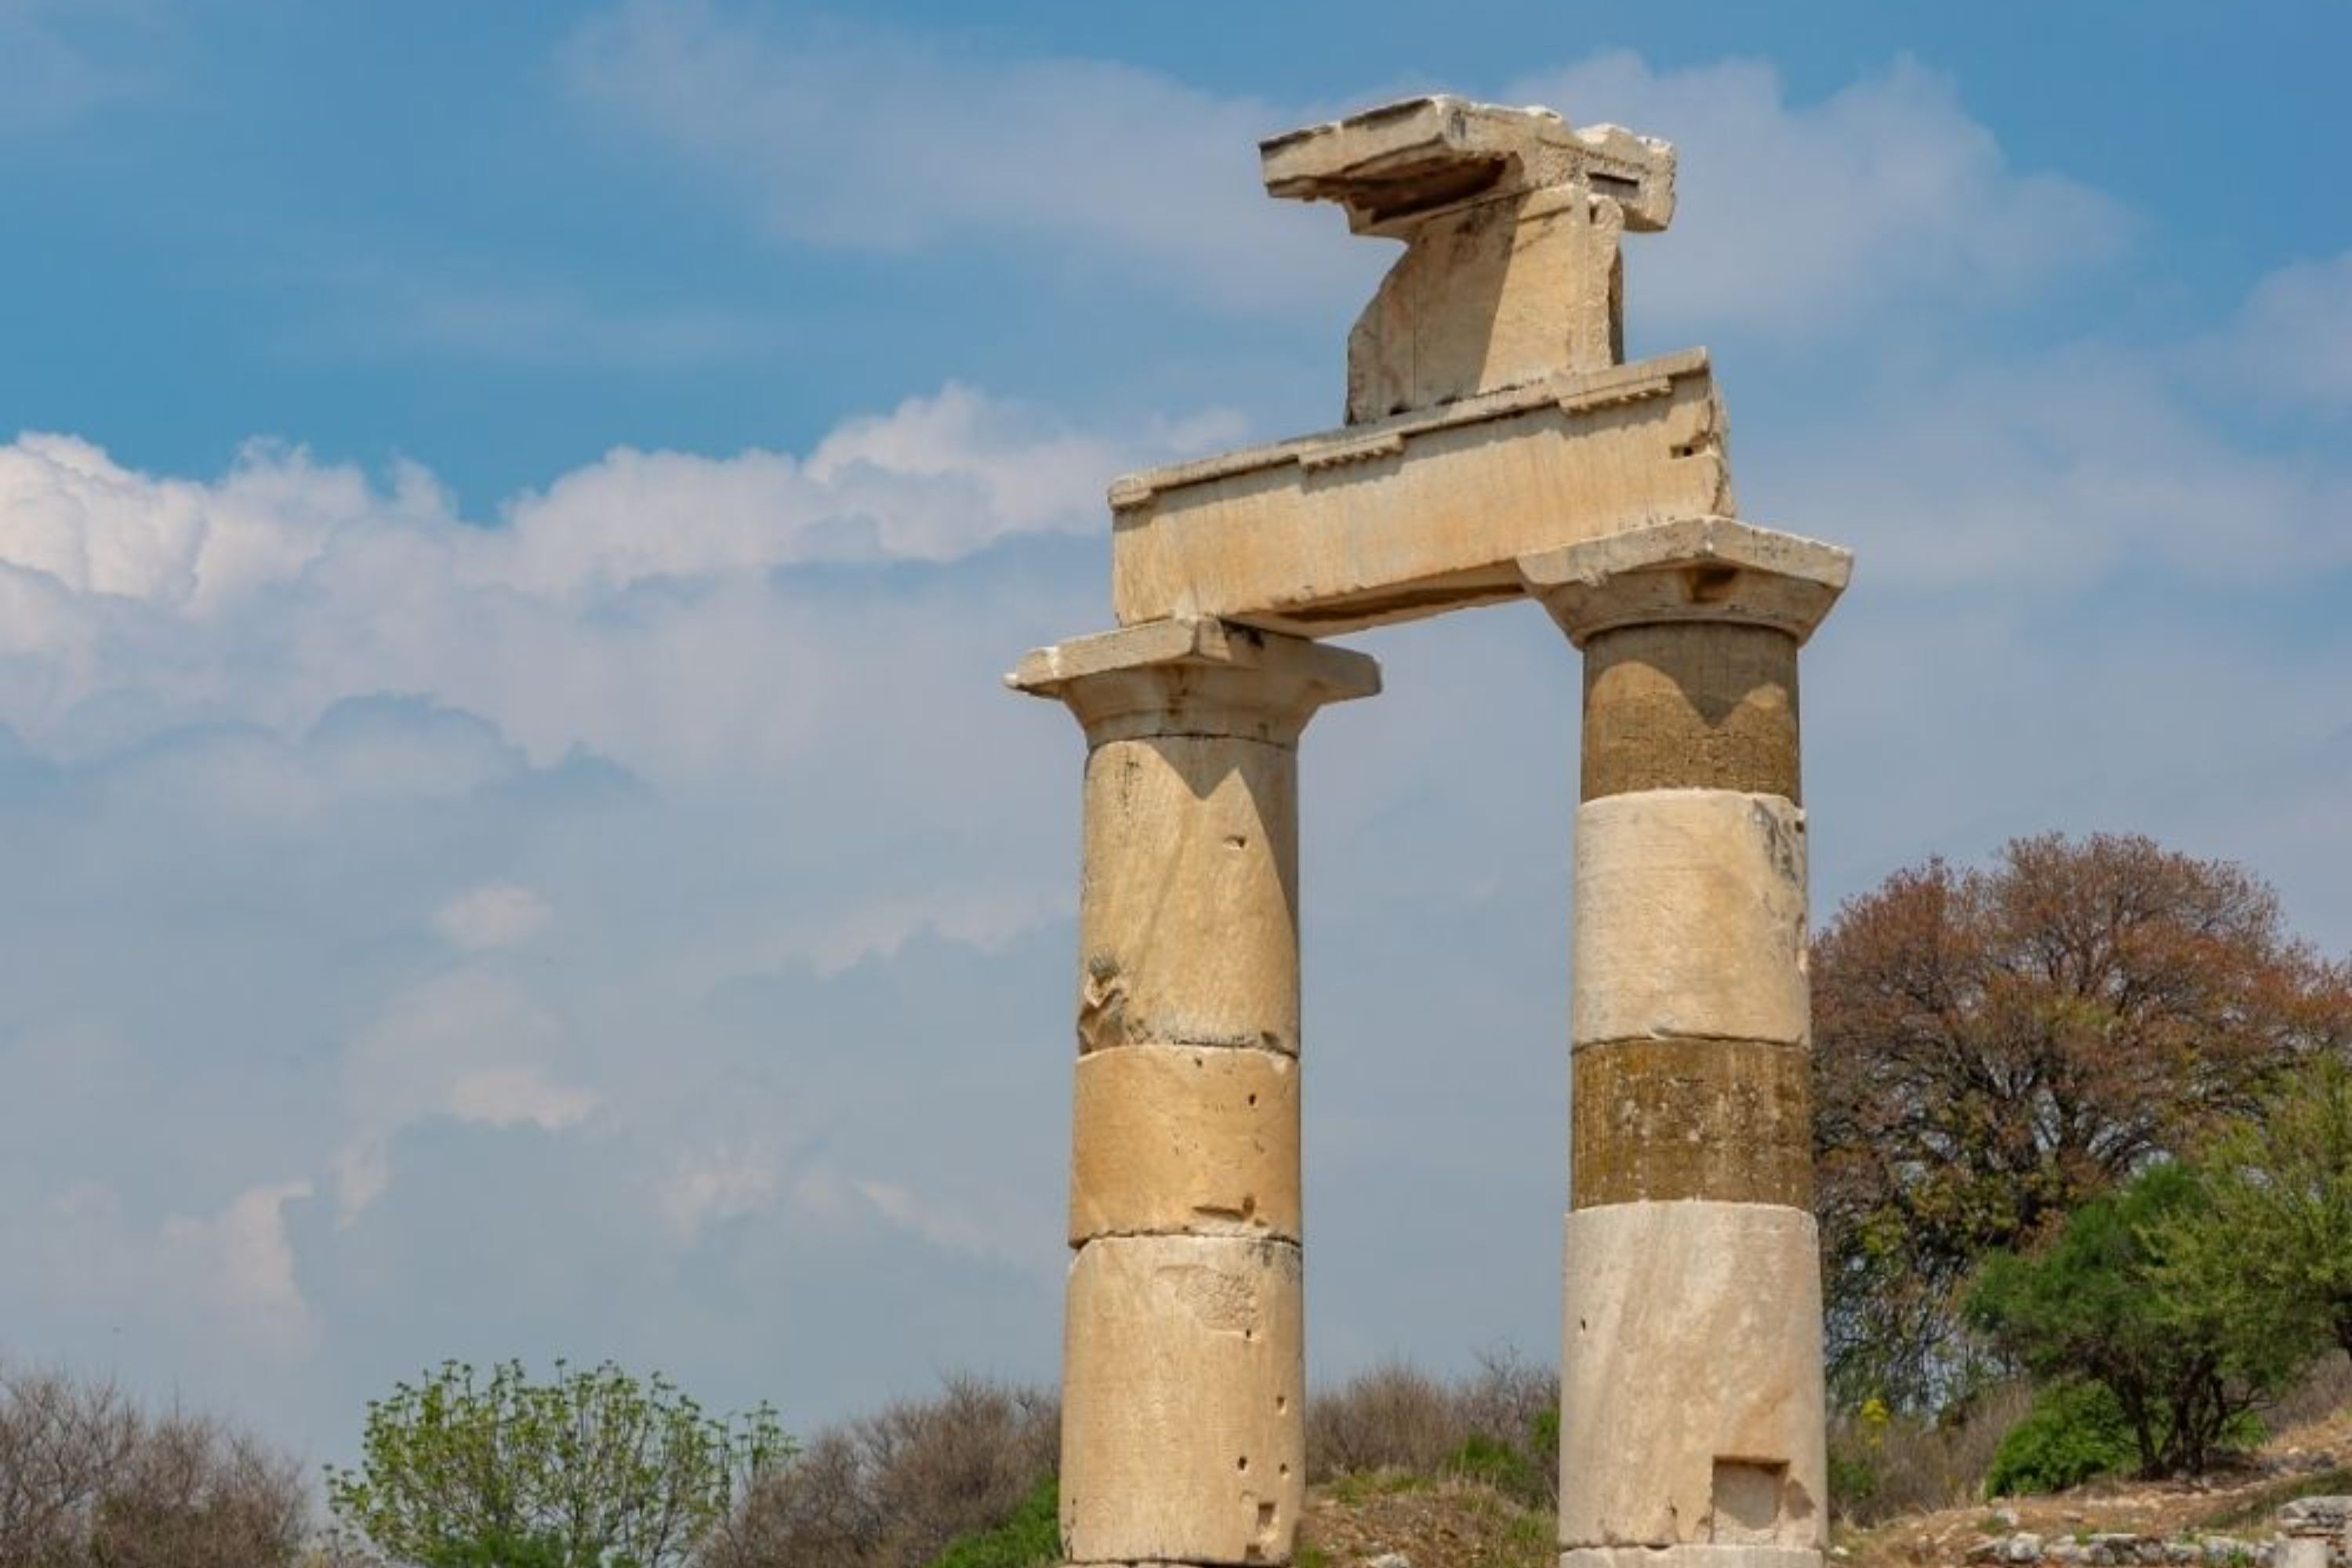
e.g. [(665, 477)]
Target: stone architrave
[(1495, 446), (1691, 1371), (1183, 1369)]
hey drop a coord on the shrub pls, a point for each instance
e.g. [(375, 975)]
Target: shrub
[(896, 1489), (589, 1468), (1500, 1426), (1884, 1462), (1032, 1537), (2185, 1371), (2075, 1432)]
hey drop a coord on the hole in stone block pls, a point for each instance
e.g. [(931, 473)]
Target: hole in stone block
[(1709, 584), (1747, 1501)]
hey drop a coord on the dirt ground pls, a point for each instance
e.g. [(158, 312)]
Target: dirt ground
[(2312, 1458), (1432, 1524), (1466, 1524)]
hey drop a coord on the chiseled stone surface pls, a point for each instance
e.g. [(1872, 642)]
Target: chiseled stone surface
[(1491, 295), (1691, 1377), (1424, 512), (1188, 924), (1184, 1374), (1511, 221), (1691, 706), (1689, 569), (1726, 1119), (1172, 1140), (1392, 165), (1691, 1556), (1195, 676), (1690, 918)]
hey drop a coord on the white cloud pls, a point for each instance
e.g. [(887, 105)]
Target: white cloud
[(60, 60), (241, 1256), (230, 1274), (725, 1182), (496, 914), (629, 607), (1887, 190), (469, 1044), (2291, 343), (866, 138), (2048, 473), (1804, 218)]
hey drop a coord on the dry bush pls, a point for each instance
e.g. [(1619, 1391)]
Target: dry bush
[(88, 1480), (1393, 1417), (891, 1490), (1884, 1466), (2324, 1390), (1499, 1425)]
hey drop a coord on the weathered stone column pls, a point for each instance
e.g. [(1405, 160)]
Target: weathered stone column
[(1691, 1407), (1184, 1351)]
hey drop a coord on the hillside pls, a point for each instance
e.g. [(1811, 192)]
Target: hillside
[(2224, 1519)]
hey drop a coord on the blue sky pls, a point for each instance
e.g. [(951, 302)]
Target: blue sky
[(512, 516)]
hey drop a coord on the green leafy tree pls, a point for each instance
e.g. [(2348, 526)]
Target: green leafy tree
[(2185, 1373), (1997, 1045), (590, 1470), (2274, 1233)]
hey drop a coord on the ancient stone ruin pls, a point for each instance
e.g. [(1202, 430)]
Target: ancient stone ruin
[(1497, 447)]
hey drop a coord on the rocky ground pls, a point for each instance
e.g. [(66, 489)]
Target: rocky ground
[(1395, 1520), (2225, 1521), (2222, 1519)]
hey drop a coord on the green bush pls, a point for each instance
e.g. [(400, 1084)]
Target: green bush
[(2185, 1365), (2074, 1432), (1032, 1537)]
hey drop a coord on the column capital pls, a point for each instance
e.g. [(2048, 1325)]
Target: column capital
[(1691, 569), (1196, 675)]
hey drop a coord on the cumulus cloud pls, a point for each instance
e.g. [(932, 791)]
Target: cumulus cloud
[(497, 914), (470, 1045), (288, 585), (1797, 218), (2291, 342)]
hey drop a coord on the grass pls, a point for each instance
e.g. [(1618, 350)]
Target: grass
[(2255, 1510)]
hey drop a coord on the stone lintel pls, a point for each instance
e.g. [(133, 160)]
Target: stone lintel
[(1689, 569), (1423, 511), (1392, 167)]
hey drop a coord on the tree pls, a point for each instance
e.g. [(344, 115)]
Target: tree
[(90, 1480), (592, 1470), (1995, 1046), (2275, 1232), (2184, 1371)]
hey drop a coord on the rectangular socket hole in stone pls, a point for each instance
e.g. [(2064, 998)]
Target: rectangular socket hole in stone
[(1747, 1501)]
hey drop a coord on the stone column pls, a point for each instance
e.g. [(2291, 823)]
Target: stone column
[(1692, 1406), (1183, 1351)]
